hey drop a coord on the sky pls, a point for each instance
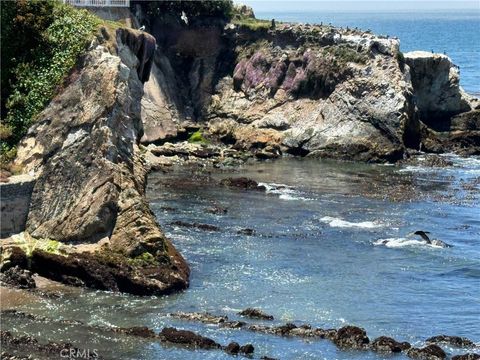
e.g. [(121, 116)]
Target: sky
[(353, 5)]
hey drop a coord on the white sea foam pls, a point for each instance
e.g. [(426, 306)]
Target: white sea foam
[(403, 242), (337, 222), (284, 192)]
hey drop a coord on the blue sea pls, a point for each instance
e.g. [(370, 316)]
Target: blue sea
[(453, 31), (331, 246)]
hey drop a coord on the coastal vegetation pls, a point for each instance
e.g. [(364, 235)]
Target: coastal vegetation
[(252, 23), (41, 43)]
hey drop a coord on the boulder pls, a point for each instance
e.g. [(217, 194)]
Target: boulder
[(242, 183), (255, 314), (456, 341), (187, 338), (233, 348), (18, 278), (469, 356), (430, 352), (351, 337), (385, 344)]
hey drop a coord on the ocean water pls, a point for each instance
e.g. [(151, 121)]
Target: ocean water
[(331, 247), (454, 32)]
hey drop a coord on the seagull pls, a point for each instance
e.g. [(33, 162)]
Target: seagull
[(184, 17), (142, 28)]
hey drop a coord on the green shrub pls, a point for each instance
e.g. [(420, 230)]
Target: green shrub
[(197, 137), (252, 24), (344, 54), (58, 37)]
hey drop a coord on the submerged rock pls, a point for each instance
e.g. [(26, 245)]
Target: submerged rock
[(187, 338), (206, 227), (202, 317), (246, 231), (242, 183), (430, 352), (469, 356), (217, 210), (30, 346), (141, 331), (255, 314)]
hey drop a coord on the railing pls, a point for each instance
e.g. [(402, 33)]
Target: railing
[(99, 3)]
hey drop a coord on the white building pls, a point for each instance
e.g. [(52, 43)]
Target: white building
[(99, 3)]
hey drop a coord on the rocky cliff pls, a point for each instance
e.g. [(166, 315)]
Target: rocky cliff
[(89, 192), (269, 90), (307, 90)]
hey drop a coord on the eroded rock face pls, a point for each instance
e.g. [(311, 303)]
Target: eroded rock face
[(91, 180), (436, 85), (319, 91)]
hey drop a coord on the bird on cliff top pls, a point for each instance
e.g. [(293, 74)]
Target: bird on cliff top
[(142, 28), (184, 17), (424, 236)]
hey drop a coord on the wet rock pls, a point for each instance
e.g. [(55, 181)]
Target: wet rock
[(430, 352), (52, 350), (206, 318), (289, 329), (187, 338), (351, 337), (18, 277), (247, 349), (247, 231), (141, 331), (102, 270), (456, 341), (206, 227), (233, 324), (232, 348), (386, 344), (242, 183), (217, 210), (6, 356), (431, 160), (469, 356), (255, 313)]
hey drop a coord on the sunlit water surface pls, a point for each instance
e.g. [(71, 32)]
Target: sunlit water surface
[(315, 257)]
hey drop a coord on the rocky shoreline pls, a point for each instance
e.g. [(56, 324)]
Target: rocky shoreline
[(347, 338)]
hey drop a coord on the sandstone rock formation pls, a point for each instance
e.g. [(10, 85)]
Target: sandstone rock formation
[(309, 90), (91, 180)]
